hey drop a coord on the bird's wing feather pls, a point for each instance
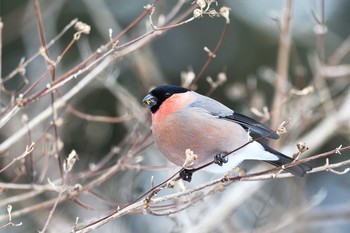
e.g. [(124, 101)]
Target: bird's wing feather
[(217, 109), (251, 124)]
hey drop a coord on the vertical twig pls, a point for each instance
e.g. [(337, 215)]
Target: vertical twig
[(1, 86), (1, 26), (39, 19), (282, 65), (319, 62), (211, 55), (57, 201), (320, 30), (67, 167), (29, 161), (51, 67)]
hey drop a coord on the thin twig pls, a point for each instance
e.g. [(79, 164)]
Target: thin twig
[(1, 81), (52, 42), (106, 119), (265, 175), (211, 55), (58, 104), (40, 26), (28, 151), (282, 66)]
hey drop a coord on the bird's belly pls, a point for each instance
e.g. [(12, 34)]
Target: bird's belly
[(206, 136)]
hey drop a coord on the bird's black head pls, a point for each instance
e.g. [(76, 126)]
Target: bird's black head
[(159, 94)]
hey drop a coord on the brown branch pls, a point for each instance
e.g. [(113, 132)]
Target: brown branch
[(340, 53), (137, 204), (67, 196), (85, 66), (269, 174), (23, 65), (282, 66), (53, 208), (45, 52), (1, 81), (105, 119), (211, 55), (29, 149)]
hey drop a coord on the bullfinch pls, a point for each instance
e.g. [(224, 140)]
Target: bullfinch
[(183, 119)]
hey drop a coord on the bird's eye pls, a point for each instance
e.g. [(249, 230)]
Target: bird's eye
[(167, 94)]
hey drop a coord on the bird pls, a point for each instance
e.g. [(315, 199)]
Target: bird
[(184, 119)]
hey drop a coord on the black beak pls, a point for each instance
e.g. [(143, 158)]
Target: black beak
[(149, 101)]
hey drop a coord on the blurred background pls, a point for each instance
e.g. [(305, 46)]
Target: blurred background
[(248, 57)]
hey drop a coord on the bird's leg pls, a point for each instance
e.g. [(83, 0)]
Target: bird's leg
[(220, 158), (186, 174)]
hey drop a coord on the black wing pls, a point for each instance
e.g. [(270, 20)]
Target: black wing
[(251, 124)]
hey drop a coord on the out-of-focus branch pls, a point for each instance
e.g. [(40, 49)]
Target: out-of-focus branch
[(59, 103), (340, 53), (265, 175), (23, 65), (1, 26), (282, 66), (40, 26), (105, 119), (326, 128), (29, 149), (230, 199)]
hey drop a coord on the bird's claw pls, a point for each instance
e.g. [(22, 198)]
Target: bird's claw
[(186, 175), (220, 159)]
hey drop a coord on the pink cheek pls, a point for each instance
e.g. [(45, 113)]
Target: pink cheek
[(169, 107), (156, 123), (162, 113)]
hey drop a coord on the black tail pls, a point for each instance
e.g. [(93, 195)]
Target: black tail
[(297, 170)]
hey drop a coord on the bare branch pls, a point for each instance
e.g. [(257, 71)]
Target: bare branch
[(282, 65), (29, 150)]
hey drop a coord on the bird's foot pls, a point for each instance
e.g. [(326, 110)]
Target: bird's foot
[(220, 159), (186, 175)]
